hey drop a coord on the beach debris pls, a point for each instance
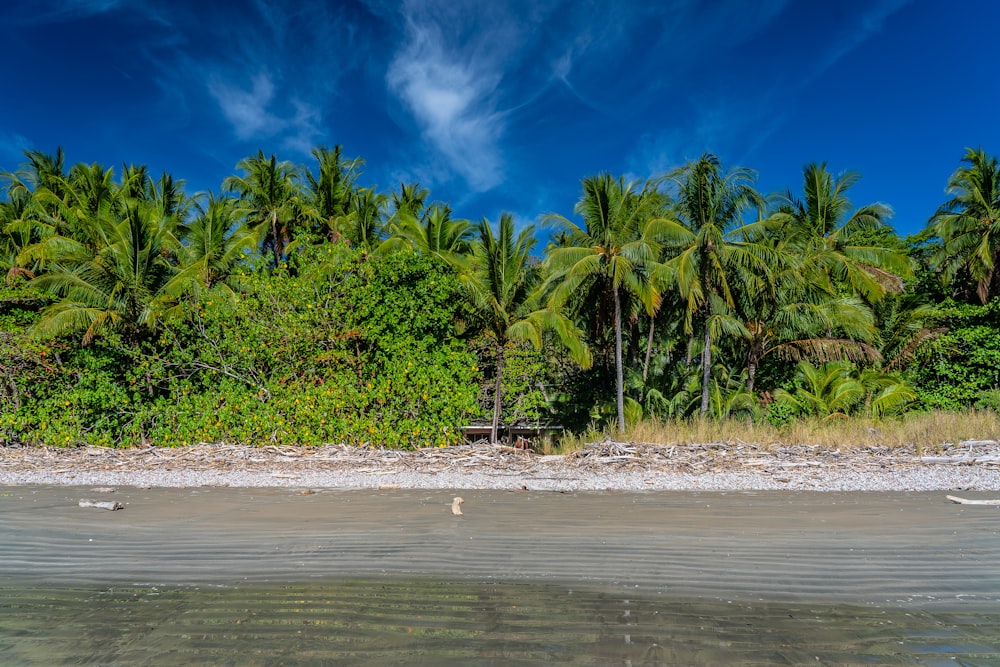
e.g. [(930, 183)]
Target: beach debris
[(103, 489), (784, 461), (973, 501), (386, 487), (455, 506), (306, 492), (102, 505)]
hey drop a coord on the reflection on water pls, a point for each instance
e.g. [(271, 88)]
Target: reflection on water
[(385, 622)]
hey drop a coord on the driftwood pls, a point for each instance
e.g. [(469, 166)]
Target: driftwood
[(287, 462), (102, 504), (971, 501), (959, 460)]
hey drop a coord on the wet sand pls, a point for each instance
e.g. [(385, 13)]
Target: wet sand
[(897, 548)]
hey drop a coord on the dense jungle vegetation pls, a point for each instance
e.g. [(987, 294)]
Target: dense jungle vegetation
[(297, 307)]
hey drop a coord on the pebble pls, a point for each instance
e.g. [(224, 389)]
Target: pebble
[(542, 478)]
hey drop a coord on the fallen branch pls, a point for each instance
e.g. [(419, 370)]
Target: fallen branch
[(958, 460), (971, 501), (102, 505)]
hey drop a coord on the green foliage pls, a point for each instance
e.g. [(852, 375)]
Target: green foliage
[(954, 370), (275, 313), (839, 389), (365, 354)]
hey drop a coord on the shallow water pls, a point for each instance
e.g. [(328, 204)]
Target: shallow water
[(385, 622), (269, 577)]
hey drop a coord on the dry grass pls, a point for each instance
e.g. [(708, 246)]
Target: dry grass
[(926, 432)]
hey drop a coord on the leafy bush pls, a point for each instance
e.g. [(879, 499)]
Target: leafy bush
[(955, 369), (364, 351)]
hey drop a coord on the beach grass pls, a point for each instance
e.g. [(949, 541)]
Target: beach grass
[(924, 432)]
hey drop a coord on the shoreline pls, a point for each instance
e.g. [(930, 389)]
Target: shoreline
[(900, 549), (612, 466)]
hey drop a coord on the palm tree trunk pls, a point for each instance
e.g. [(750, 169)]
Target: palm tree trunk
[(706, 371), (619, 375), (497, 397), (649, 349), (274, 237)]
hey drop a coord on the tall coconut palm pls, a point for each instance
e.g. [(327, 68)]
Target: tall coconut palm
[(823, 226), (212, 245), (270, 201), (969, 224), (330, 192), (92, 185), (33, 196), (712, 256), (501, 285), (365, 222), (615, 249), (790, 316), (434, 233), (117, 283), (410, 199)]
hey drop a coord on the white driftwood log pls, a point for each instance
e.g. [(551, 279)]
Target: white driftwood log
[(971, 501), (102, 504), (957, 460)]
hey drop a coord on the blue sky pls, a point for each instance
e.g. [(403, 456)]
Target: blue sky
[(506, 105)]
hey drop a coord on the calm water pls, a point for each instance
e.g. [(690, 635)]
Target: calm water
[(426, 622)]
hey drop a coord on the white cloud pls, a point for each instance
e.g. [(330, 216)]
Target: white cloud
[(251, 115), (451, 88), (246, 110)]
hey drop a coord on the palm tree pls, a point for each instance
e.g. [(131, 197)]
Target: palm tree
[(269, 200), (364, 225), (788, 315), (330, 194), (501, 287), (434, 233), (91, 186), (823, 227), (713, 256), (115, 284), (838, 388), (823, 391), (410, 199), (969, 224), (212, 244), (615, 251)]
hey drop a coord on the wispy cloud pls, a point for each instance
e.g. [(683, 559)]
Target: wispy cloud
[(12, 147), (247, 110), (44, 11), (734, 121), (450, 87), (251, 115), (870, 24)]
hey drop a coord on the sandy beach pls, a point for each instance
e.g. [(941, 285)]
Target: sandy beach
[(840, 556), (793, 522), (903, 548)]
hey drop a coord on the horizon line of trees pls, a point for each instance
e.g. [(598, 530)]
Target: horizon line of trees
[(689, 293)]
